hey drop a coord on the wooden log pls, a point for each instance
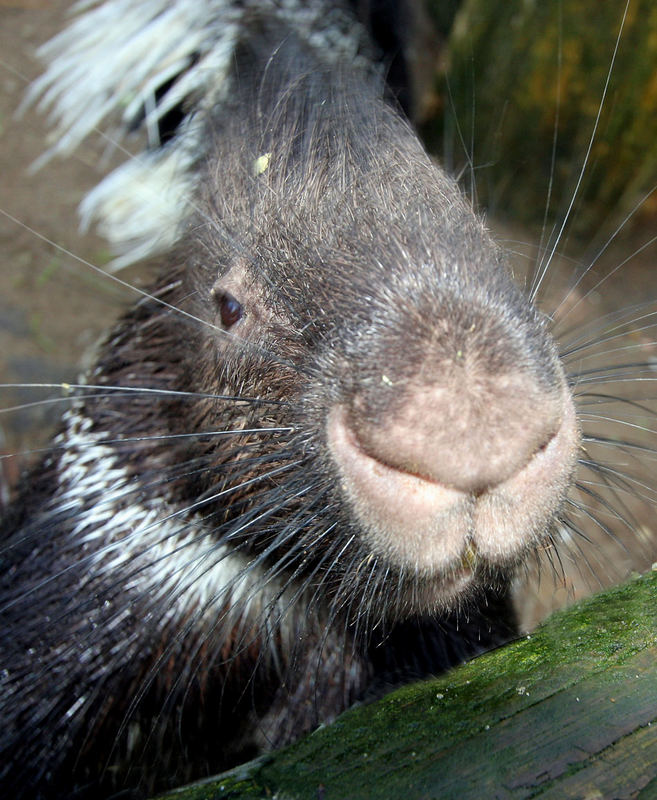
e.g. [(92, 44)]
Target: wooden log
[(568, 712)]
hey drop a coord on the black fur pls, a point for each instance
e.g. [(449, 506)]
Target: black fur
[(117, 675)]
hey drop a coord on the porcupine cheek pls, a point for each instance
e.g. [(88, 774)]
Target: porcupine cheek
[(463, 473)]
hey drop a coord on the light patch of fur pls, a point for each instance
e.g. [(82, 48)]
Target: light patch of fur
[(168, 553), (138, 207)]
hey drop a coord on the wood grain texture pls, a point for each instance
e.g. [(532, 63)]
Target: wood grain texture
[(570, 712)]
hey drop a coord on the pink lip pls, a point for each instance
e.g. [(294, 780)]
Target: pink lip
[(428, 527)]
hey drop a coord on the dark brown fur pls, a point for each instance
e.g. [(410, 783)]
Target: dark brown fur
[(353, 257)]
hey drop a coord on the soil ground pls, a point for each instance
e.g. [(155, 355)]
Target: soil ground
[(53, 307)]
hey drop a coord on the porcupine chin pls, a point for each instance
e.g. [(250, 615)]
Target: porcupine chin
[(309, 555)]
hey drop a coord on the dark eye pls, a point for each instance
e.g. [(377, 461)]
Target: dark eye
[(230, 309)]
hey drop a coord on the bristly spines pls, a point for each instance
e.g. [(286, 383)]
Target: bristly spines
[(188, 50), (214, 517)]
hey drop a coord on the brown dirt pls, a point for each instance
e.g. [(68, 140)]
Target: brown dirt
[(53, 307)]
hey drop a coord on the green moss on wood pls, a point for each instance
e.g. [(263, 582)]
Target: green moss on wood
[(570, 707)]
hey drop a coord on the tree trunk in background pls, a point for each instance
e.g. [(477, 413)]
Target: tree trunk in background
[(518, 76)]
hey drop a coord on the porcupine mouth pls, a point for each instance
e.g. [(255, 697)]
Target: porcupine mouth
[(445, 536)]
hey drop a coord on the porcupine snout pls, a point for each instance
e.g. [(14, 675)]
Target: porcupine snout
[(461, 460)]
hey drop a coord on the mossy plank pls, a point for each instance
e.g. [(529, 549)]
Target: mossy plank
[(570, 712)]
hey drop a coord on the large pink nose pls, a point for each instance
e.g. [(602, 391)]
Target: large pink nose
[(468, 432)]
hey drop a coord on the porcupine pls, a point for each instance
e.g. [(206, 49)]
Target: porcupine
[(381, 432)]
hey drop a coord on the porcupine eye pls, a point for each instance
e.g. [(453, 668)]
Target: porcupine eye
[(230, 309)]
